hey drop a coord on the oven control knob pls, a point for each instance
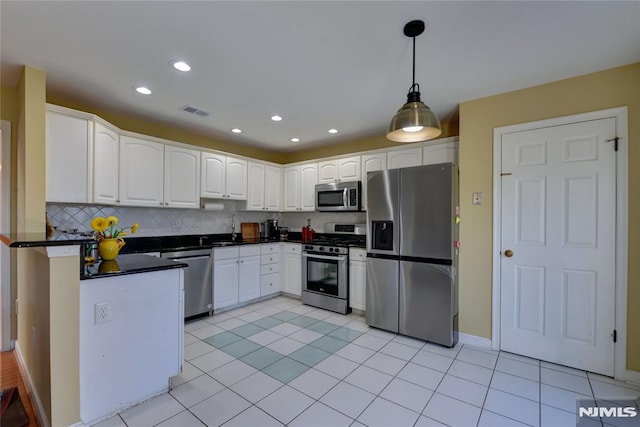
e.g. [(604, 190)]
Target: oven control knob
[(321, 248)]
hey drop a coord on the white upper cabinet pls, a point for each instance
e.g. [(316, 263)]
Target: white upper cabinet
[(440, 153), (105, 165), (346, 169), (300, 186), (404, 158), (181, 177), (223, 177), (141, 172), (263, 192), (371, 163), (67, 158)]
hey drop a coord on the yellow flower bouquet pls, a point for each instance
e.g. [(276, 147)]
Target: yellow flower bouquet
[(109, 237)]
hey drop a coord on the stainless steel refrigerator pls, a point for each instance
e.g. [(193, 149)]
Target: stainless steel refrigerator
[(412, 252)]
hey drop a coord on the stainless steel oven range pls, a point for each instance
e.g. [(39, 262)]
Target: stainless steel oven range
[(325, 277)]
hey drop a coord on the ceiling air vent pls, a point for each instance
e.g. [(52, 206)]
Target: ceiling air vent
[(196, 111)]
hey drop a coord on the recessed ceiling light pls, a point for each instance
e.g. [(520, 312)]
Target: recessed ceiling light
[(276, 118), (143, 90), (295, 139), (333, 130), (236, 130), (181, 66)]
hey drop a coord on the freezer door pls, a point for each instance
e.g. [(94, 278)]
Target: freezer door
[(428, 303), (382, 293), (426, 211), (382, 212)]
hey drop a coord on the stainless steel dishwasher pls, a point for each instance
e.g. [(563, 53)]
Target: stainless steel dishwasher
[(198, 296)]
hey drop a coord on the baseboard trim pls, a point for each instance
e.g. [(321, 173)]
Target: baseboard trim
[(35, 398), (474, 340), (633, 377)]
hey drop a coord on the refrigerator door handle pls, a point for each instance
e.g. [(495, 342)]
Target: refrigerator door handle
[(338, 258)]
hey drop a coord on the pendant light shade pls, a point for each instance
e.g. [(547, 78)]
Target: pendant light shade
[(414, 121)]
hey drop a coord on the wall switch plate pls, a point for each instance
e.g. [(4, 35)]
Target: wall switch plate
[(477, 199), (102, 312)]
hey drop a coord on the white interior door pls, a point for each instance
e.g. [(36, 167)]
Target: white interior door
[(559, 223)]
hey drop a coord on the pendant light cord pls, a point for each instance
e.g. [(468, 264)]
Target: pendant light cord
[(415, 87)]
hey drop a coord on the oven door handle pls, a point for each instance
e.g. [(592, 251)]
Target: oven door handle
[(339, 258)]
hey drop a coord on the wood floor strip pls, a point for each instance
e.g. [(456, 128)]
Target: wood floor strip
[(10, 377)]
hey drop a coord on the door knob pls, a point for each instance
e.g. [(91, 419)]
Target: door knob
[(508, 253)]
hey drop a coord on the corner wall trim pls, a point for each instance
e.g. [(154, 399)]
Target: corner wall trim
[(35, 398), (633, 377), (474, 340)]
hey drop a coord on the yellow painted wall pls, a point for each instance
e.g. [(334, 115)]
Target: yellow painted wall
[(598, 91)]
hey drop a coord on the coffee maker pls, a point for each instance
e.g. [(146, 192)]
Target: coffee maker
[(271, 229)]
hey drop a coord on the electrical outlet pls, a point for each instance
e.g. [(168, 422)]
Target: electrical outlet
[(102, 312), (477, 198), (176, 223)]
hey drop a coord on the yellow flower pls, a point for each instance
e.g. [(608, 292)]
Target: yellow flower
[(99, 224), (112, 220), (134, 228)]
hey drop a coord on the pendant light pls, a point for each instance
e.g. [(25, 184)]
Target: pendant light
[(414, 121)]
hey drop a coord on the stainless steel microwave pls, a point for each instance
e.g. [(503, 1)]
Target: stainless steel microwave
[(338, 196)]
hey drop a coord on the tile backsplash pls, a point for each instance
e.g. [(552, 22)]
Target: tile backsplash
[(167, 221)]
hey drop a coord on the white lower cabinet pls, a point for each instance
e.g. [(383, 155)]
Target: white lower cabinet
[(225, 277), (357, 278), (269, 269), (249, 273), (292, 268)]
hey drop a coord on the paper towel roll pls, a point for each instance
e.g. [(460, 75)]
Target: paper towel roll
[(211, 205)]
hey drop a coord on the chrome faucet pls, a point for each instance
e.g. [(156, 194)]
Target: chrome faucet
[(233, 228)]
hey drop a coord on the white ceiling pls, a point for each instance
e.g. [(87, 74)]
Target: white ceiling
[(318, 64)]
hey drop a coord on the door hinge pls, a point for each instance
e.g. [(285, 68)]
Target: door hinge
[(615, 335), (615, 142)]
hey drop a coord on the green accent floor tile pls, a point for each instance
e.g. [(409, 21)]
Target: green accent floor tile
[(223, 339), (309, 355), (285, 315), (345, 334), (261, 358), (323, 327), (247, 330), (267, 322), (303, 321), (329, 344), (240, 348), (286, 369)]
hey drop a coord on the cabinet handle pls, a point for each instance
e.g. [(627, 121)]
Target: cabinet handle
[(160, 203), (166, 203)]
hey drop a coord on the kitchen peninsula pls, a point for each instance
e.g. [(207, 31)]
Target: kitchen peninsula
[(117, 328)]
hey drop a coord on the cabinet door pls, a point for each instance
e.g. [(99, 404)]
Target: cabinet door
[(371, 163), (67, 158), (404, 158), (236, 179), (212, 182), (141, 172), (105, 165), (272, 188), (257, 187), (225, 283), (293, 274), (249, 278), (328, 171), (349, 169), (181, 177), (440, 153), (357, 284), (308, 181), (269, 284), (291, 188)]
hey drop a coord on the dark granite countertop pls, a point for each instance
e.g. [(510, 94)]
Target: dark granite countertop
[(128, 264), (34, 240)]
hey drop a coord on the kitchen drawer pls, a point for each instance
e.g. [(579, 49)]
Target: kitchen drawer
[(293, 248), (270, 248), (225, 253), (269, 258), (269, 269), (357, 254), (270, 284), (249, 250)]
